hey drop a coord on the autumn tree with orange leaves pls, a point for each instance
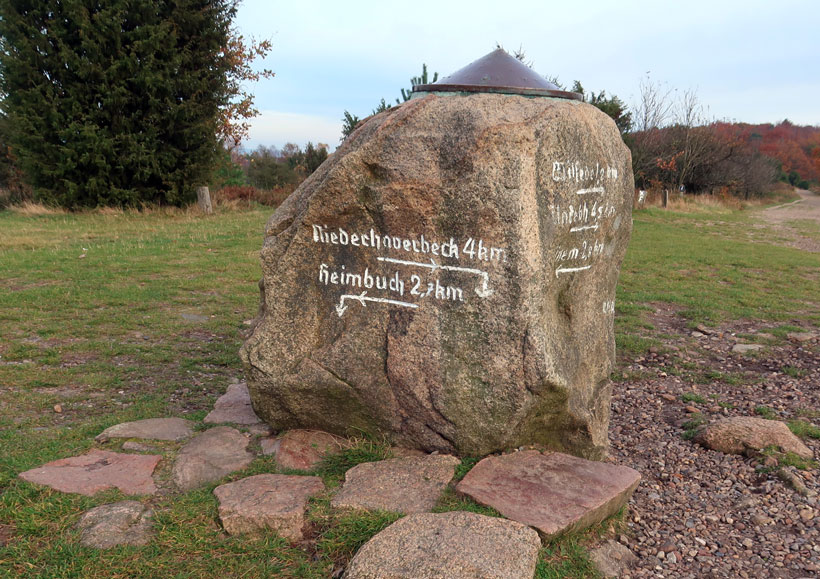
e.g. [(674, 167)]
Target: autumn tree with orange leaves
[(122, 102)]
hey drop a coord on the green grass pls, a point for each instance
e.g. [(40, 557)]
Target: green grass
[(804, 429), (691, 426), (766, 412), (712, 266), (104, 337), (692, 397)]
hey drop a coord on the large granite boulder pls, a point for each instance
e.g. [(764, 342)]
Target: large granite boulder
[(448, 277)]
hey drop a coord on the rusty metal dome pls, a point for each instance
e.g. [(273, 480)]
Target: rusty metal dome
[(498, 72)]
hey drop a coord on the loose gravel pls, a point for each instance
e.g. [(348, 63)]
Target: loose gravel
[(700, 513)]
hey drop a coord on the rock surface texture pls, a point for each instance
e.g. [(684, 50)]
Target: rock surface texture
[(552, 492), (149, 429), (456, 545), (234, 406), (748, 435), (613, 559), (98, 470), (123, 523), (448, 277), (406, 485), (209, 456), (253, 505)]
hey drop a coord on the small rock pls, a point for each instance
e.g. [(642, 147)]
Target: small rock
[(277, 502), (749, 435), (612, 559), (123, 523), (152, 429), (697, 335), (58, 408), (669, 397), (405, 485), (209, 456), (234, 407), (98, 470), (672, 559), (456, 545), (794, 481), (703, 329), (744, 348), (807, 514), (800, 336), (761, 520)]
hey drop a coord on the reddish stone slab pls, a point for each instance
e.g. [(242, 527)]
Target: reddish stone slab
[(256, 504), (303, 449), (552, 492), (98, 470)]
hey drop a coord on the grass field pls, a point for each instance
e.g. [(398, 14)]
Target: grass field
[(109, 317)]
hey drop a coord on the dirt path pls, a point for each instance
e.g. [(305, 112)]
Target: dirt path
[(783, 218)]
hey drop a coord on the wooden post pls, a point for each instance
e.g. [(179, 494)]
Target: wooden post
[(665, 197), (203, 200)]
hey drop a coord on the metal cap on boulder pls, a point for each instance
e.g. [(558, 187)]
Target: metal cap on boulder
[(498, 72)]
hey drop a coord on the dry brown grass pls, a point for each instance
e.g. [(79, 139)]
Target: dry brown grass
[(781, 193), (35, 209)]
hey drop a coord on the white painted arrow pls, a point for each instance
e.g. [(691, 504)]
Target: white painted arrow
[(590, 190), (483, 292), (583, 228), (341, 308), (561, 270)]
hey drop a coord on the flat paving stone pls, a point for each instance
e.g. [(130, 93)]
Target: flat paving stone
[(454, 545), (267, 502), (302, 449), (552, 492), (209, 456), (149, 429), (122, 523), (406, 485), (234, 407), (98, 470)]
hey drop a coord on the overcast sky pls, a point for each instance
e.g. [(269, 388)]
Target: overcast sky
[(752, 61)]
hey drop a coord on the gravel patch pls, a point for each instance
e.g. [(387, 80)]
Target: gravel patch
[(698, 512)]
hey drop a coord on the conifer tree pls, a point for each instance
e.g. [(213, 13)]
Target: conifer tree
[(115, 102)]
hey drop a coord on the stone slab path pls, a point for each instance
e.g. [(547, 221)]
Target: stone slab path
[(420, 545), (405, 485), (267, 502), (98, 470), (552, 492), (456, 545)]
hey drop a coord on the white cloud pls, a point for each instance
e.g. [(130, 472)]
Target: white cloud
[(277, 128)]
